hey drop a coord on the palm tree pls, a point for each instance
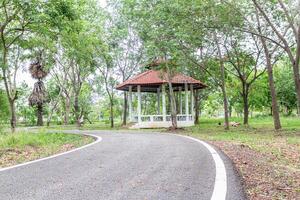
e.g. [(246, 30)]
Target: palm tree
[(38, 97)]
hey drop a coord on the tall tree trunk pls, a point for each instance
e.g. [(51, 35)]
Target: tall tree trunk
[(40, 115), (295, 63), (225, 104), (111, 112), (297, 84), (172, 101), (246, 108), (77, 110), (13, 119), (67, 110), (196, 97), (223, 85), (11, 100), (275, 109), (125, 110)]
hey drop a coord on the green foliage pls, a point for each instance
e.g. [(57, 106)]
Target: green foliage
[(285, 87), (26, 113), (4, 108)]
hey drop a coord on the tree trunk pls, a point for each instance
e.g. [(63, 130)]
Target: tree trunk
[(225, 104), (111, 112), (67, 111), (275, 109), (13, 119), (246, 108), (172, 103), (125, 110), (223, 86), (197, 106), (77, 110), (40, 115), (297, 84)]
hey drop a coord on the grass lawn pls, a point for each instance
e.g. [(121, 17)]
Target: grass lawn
[(268, 160), (25, 146)]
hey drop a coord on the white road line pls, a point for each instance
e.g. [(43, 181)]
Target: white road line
[(98, 139), (220, 187)]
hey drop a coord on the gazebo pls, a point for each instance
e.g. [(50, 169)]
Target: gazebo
[(155, 81)]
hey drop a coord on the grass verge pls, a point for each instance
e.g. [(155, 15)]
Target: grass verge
[(268, 160), (21, 147)]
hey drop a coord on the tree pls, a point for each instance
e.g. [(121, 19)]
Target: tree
[(107, 77), (60, 73), (286, 27), (79, 43), (126, 47), (15, 17), (244, 66), (38, 96), (275, 109)]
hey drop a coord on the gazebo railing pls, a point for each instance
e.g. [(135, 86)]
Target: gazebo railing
[(159, 118)]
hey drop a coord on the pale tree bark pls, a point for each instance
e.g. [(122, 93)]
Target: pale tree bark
[(274, 108), (125, 110), (173, 109), (61, 72), (77, 77), (173, 106), (67, 110), (223, 85), (109, 83)]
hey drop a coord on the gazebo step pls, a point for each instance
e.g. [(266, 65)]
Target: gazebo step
[(161, 124)]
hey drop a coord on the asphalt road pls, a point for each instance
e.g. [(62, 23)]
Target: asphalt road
[(127, 166)]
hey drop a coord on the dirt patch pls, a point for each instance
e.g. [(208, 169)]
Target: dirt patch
[(12, 156), (265, 176)]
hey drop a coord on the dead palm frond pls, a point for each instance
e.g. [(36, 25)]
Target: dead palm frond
[(37, 71)]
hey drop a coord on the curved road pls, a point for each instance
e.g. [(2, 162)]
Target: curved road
[(124, 165)]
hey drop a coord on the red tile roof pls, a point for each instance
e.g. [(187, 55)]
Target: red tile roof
[(155, 77)]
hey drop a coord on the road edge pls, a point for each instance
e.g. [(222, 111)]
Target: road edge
[(220, 186)]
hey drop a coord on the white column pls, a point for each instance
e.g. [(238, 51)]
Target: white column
[(139, 108), (164, 103), (192, 100), (180, 100), (158, 100), (186, 101), (130, 104)]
